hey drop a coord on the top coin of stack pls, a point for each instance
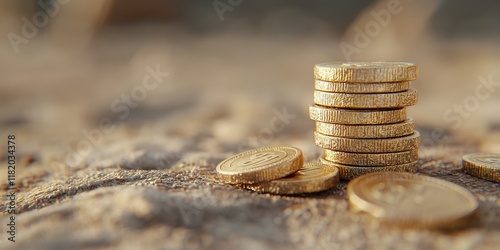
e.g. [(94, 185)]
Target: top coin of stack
[(361, 120)]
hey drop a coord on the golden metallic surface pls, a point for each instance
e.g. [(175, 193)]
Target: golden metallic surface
[(312, 177), (373, 160), (485, 166), (367, 131), (260, 165), (411, 200), (366, 101), (398, 144), (350, 172), (365, 71), (346, 116), (361, 87)]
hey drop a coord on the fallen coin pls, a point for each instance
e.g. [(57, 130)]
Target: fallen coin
[(412, 200), (485, 166), (312, 177), (260, 165)]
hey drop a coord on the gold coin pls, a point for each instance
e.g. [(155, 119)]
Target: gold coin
[(373, 160), (411, 200), (367, 131), (365, 71), (259, 165), (350, 172), (312, 177), (346, 116), (485, 166), (366, 101), (398, 144), (361, 87)]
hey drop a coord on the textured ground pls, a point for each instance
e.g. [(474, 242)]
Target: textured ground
[(150, 183)]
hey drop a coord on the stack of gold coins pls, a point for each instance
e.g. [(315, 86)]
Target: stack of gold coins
[(361, 117)]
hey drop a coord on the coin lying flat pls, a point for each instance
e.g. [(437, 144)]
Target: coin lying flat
[(411, 200), (367, 131), (361, 87), (365, 71), (485, 166), (374, 160), (398, 144), (312, 177), (260, 165), (366, 101), (347, 116), (350, 172)]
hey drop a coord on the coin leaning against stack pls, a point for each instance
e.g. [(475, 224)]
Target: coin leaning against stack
[(277, 170), (361, 117)]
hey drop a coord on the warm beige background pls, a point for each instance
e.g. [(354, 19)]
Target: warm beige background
[(151, 181)]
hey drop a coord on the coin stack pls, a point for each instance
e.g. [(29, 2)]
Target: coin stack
[(361, 117)]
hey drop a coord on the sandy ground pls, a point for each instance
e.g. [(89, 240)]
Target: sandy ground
[(146, 177)]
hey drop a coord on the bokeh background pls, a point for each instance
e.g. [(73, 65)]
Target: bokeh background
[(231, 66), (66, 73)]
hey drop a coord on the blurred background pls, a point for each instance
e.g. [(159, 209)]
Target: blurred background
[(229, 65)]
